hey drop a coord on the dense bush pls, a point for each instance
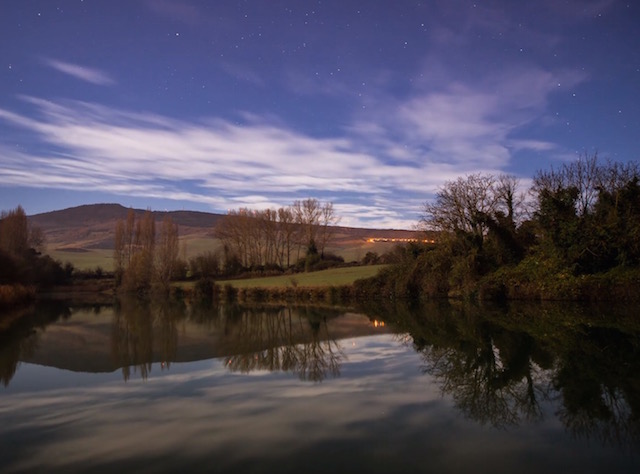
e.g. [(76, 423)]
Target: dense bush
[(206, 265), (581, 240)]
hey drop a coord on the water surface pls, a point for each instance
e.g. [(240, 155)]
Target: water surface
[(168, 387)]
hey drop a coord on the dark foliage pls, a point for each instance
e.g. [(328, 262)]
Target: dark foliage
[(581, 242), (20, 261)]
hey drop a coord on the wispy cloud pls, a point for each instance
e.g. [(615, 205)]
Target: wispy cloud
[(387, 162), (87, 74), (100, 148), (465, 126)]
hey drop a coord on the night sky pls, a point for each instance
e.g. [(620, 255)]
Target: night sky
[(372, 105)]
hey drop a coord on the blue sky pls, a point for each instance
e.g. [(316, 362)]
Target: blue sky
[(372, 105)]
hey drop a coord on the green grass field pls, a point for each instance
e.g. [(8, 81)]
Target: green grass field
[(87, 260), (330, 277)]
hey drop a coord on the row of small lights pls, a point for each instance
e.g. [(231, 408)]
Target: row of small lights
[(382, 239)]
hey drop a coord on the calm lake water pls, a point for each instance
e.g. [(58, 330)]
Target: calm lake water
[(168, 387)]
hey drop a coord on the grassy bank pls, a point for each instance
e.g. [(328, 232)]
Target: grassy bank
[(532, 279), (323, 278), (326, 286)]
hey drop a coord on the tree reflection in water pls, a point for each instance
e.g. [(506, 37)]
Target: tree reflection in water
[(144, 331), (601, 395), (488, 384), (500, 365), (21, 339), (278, 340)]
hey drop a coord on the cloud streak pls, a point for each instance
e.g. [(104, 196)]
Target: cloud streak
[(116, 151), (83, 73), (382, 168)]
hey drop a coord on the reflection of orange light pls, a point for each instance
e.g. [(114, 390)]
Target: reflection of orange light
[(378, 324)]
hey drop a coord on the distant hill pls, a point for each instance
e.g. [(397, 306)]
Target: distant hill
[(90, 229), (92, 226)]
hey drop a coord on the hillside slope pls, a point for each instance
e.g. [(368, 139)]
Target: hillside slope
[(92, 226), (84, 235)]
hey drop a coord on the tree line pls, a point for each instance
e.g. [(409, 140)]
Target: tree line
[(276, 239), (252, 240), (574, 234)]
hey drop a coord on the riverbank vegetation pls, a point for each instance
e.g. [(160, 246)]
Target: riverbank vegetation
[(269, 243), (278, 239), (23, 268), (575, 234), (334, 285)]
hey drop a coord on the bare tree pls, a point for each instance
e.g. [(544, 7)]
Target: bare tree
[(14, 232), (463, 205), (134, 248), (37, 239), (167, 251), (123, 248), (328, 221), (614, 176), (270, 231), (510, 200), (232, 230), (308, 213), (287, 233), (584, 176), (268, 237), (140, 270), (129, 231), (119, 254)]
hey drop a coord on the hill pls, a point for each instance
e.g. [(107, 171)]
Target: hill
[(84, 235), (92, 226)]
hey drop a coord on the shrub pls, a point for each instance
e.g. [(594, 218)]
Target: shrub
[(205, 289)]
